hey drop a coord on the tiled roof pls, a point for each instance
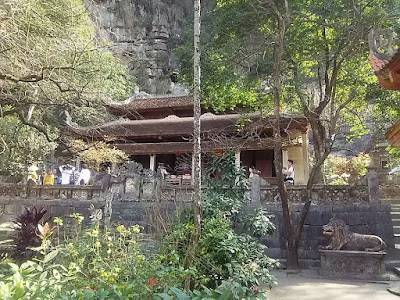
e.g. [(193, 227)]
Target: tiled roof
[(175, 126), (152, 103), (376, 63)]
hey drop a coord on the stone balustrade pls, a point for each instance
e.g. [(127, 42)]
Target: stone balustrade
[(51, 192), (389, 190), (321, 194)]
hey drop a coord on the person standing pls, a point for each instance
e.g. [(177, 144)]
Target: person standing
[(48, 178), (84, 176), (32, 175), (41, 177), (66, 172), (289, 172)]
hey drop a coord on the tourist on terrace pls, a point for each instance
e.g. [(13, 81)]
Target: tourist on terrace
[(48, 178), (289, 172), (84, 176), (66, 172), (32, 175)]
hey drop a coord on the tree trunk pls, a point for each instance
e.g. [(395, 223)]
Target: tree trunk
[(196, 114), (319, 137), (292, 260)]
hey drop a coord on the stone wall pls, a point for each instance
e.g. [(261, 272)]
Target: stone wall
[(60, 200), (389, 190), (143, 34), (322, 194), (362, 218), (143, 199)]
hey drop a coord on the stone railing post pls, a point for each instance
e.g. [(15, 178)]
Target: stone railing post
[(255, 184), (107, 212), (373, 185), (148, 185)]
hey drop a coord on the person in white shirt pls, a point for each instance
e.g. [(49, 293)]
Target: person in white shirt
[(84, 176), (289, 172), (66, 172)]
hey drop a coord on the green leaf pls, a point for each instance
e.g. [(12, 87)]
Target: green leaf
[(14, 267), (56, 274), (43, 276), (19, 291), (50, 256), (164, 296), (180, 294)]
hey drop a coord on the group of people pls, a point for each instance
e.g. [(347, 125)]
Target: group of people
[(64, 174)]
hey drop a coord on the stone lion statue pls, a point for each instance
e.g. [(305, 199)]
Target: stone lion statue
[(343, 239)]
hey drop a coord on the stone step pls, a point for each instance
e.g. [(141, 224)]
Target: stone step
[(391, 264), (392, 276), (395, 214), (396, 270), (396, 229), (390, 201), (396, 222), (6, 231), (304, 263), (396, 239), (395, 208)]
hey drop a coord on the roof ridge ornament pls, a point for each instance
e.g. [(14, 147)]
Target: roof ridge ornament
[(382, 42), (171, 117)]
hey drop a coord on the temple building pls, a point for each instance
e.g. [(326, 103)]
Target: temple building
[(157, 132), (385, 61)]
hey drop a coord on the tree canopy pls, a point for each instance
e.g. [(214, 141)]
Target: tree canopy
[(52, 66), (325, 59), (302, 56)]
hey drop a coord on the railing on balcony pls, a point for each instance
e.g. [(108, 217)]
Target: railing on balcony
[(76, 192)]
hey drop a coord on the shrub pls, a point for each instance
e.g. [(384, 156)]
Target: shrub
[(26, 232), (222, 254), (340, 170)]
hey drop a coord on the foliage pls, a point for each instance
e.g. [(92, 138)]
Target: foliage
[(226, 186), (20, 146), (394, 152), (111, 266), (223, 254), (89, 264), (340, 170), (238, 53), (96, 153), (26, 232), (310, 56), (325, 73), (40, 280), (68, 67), (227, 290), (52, 67)]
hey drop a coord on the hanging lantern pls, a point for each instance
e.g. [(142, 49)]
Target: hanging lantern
[(218, 152)]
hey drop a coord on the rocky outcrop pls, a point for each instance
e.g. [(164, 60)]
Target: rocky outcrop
[(143, 33)]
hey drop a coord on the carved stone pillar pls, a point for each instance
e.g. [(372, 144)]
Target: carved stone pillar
[(373, 185)]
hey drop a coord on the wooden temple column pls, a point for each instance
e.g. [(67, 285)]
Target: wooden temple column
[(153, 162), (305, 156), (237, 158), (285, 157)]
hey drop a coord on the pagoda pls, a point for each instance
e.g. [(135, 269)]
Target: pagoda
[(158, 131)]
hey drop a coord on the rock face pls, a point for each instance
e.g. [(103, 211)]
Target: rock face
[(143, 33)]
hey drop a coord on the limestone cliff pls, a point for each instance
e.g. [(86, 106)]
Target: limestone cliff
[(143, 33)]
